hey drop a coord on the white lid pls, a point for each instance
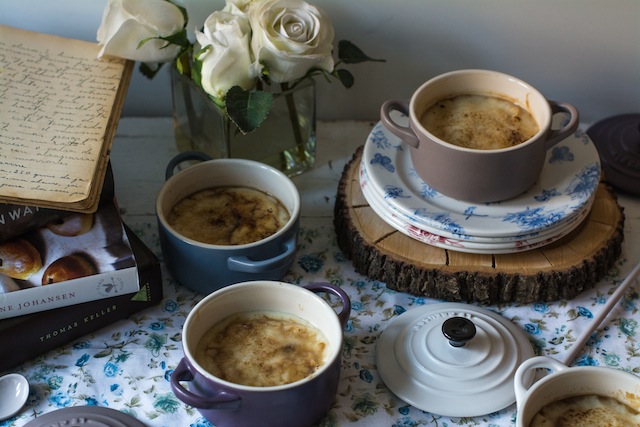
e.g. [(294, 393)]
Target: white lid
[(418, 363)]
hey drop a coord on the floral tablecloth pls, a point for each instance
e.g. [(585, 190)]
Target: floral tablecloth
[(127, 365)]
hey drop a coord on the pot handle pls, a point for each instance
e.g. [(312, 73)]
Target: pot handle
[(183, 157), (221, 400), (557, 135), (343, 316), (405, 133), (246, 265), (524, 374)]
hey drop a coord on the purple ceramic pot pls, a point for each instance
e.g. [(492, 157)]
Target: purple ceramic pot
[(301, 403)]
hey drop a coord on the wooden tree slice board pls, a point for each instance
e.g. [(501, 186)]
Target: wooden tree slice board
[(560, 270)]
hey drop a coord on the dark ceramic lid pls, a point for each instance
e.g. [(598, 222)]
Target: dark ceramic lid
[(617, 140), (452, 359), (87, 416)]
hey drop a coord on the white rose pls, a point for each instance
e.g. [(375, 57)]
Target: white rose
[(237, 7), (291, 37), (125, 23), (226, 54)]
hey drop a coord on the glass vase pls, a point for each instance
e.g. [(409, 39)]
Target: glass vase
[(286, 139)]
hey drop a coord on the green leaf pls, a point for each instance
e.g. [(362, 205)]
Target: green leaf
[(180, 38), (352, 54), (248, 109), (196, 69), (149, 70), (265, 73), (345, 77), (183, 63), (104, 353)]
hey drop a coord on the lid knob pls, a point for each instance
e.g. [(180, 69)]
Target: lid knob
[(458, 330)]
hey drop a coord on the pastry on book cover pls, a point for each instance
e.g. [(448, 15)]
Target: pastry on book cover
[(37, 333), (77, 258)]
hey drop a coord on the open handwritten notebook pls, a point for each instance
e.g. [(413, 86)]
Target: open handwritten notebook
[(59, 110)]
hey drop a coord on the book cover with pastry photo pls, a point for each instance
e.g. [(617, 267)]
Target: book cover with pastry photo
[(77, 258), (36, 333), (19, 219)]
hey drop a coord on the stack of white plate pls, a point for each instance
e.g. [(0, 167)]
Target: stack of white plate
[(549, 210)]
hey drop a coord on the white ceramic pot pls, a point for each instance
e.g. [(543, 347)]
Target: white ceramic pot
[(570, 381)]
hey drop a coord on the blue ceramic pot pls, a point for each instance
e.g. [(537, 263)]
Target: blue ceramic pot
[(207, 267)]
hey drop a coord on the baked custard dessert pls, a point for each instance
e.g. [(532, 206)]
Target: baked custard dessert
[(262, 348), (228, 216), (479, 122), (589, 410)]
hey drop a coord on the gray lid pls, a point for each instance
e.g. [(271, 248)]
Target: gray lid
[(452, 359), (92, 416), (617, 140)]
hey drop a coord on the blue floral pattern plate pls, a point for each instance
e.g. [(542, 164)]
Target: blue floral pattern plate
[(423, 231), (569, 178), (461, 245)]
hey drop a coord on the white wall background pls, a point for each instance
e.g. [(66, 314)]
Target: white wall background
[(586, 52)]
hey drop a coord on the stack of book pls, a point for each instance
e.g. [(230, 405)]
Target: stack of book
[(68, 263), (64, 274)]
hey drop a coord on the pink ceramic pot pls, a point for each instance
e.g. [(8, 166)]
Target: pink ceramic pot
[(471, 174)]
